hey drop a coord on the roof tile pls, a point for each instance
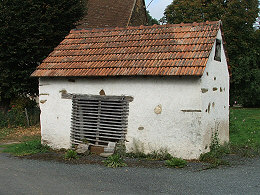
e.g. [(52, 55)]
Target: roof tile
[(180, 49)]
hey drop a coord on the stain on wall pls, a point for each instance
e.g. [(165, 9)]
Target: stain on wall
[(158, 109), (209, 107), (140, 128)]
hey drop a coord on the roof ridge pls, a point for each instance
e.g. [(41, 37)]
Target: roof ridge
[(146, 27)]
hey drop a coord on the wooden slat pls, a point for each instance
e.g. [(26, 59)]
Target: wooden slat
[(99, 119), (119, 119), (100, 130), (103, 125), (106, 137), (101, 135), (89, 139)]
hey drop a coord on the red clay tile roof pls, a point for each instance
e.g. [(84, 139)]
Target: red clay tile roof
[(108, 13), (179, 49)]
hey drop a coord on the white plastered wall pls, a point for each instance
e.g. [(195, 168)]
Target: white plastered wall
[(215, 99), (177, 128)]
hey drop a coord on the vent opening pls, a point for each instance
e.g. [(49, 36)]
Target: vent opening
[(218, 50), (99, 119)]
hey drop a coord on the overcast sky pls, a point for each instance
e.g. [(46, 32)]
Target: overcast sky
[(157, 7)]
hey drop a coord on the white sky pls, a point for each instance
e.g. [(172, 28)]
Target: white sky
[(157, 7)]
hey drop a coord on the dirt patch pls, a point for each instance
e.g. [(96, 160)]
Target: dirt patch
[(95, 159), (19, 134)]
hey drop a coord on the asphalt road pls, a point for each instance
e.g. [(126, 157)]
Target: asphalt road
[(23, 176)]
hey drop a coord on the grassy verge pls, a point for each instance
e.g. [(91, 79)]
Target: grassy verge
[(26, 148), (245, 129), (244, 137), (29, 139)]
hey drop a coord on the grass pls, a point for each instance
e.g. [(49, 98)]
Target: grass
[(155, 155), (245, 128), (29, 137), (114, 161), (176, 163), (244, 137), (70, 154), (26, 148)]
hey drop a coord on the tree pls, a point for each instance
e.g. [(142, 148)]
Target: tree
[(29, 30), (151, 20), (238, 17)]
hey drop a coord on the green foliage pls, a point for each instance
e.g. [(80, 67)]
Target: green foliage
[(176, 162), (245, 86), (16, 116), (214, 157), (71, 154), (151, 20), (161, 154), (238, 17), (29, 31), (120, 148), (214, 145), (114, 161), (26, 148), (244, 137)]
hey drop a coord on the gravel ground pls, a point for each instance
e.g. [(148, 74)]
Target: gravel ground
[(27, 176)]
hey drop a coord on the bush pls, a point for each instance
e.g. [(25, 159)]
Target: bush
[(71, 154), (16, 115), (176, 162), (114, 161)]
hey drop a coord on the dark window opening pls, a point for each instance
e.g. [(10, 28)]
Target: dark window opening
[(218, 50), (99, 119)]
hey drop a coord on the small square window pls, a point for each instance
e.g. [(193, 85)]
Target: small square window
[(218, 50)]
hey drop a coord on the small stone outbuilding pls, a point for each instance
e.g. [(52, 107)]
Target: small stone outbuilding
[(153, 87)]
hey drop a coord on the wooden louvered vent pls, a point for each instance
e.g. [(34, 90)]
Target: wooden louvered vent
[(99, 119)]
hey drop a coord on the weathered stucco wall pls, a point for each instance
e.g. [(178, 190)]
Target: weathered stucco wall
[(165, 112), (215, 99)]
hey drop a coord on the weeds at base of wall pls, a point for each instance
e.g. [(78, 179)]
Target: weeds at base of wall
[(217, 152), (214, 157), (114, 161), (120, 148), (176, 162), (161, 154), (138, 152), (70, 154)]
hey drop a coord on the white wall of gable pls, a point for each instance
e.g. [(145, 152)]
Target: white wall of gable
[(177, 128), (215, 98)]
